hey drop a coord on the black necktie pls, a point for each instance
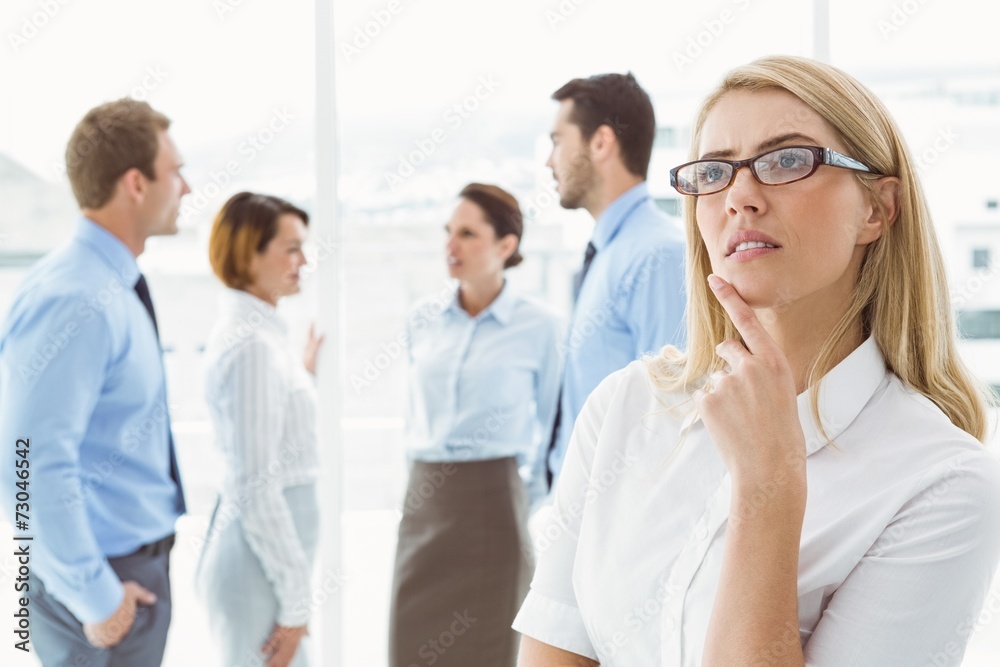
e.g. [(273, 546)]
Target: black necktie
[(142, 289), (578, 278), (588, 257)]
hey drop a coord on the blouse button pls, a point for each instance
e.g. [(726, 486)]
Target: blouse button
[(670, 624), (701, 533)]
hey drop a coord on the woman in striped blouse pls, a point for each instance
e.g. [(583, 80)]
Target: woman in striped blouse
[(260, 548)]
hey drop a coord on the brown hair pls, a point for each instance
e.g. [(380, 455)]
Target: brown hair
[(502, 212), (244, 226), (110, 140), (618, 101)]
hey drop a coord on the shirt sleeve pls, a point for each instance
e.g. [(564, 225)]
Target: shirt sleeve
[(916, 595), (550, 613), (651, 299), (259, 404), (547, 384), (54, 362)]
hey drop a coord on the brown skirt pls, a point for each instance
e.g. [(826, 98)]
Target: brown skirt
[(463, 564)]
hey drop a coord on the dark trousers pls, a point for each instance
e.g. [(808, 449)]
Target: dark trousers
[(57, 636)]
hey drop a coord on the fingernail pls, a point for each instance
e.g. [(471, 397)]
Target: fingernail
[(714, 281)]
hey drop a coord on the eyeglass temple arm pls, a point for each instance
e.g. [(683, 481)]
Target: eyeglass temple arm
[(836, 159)]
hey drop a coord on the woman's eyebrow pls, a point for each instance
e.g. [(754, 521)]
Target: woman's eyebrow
[(774, 142)]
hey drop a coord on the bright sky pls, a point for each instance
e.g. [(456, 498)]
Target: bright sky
[(220, 68)]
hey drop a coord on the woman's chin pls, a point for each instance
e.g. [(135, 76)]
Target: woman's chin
[(760, 294)]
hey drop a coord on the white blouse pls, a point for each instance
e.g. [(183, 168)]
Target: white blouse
[(900, 540), (263, 406)]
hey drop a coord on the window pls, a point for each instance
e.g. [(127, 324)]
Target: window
[(669, 206), (979, 324), (980, 258)]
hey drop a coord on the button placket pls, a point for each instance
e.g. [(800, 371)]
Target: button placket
[(687, 566)]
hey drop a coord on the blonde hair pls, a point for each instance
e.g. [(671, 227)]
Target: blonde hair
[(901, 297)]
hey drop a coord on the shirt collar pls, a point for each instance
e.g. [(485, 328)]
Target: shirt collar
[(111, 249), (843, 392), (615, 215), (501, 309), (246, 309)]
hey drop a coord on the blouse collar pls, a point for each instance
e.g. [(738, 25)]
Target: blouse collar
[(246, 309), (843, 392)]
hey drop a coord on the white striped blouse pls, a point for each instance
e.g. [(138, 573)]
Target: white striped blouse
[(263, 407)]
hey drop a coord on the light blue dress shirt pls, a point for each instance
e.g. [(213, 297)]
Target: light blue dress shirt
[(484, 387), (631, 302), (81, 375)]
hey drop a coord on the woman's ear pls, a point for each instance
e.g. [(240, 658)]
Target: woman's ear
[(885, 208), (508, 246)]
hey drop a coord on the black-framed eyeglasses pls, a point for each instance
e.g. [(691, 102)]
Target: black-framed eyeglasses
[(776, 167)]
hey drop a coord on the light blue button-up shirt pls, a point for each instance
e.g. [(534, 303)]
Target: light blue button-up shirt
[(631, 302), (484, 387), (81, 377)]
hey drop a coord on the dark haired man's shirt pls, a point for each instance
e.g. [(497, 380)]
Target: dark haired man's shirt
[(631, 302)]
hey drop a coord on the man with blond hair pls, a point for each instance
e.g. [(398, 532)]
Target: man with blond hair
[(83, 393)]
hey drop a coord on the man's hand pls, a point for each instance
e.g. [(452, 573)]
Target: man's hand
[(111, 631), (281, 646)]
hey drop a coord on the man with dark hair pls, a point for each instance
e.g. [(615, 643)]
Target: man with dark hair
[(83, 394), (629, 294)]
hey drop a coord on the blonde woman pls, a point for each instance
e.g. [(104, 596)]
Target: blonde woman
[(808, 484), (261, 544)]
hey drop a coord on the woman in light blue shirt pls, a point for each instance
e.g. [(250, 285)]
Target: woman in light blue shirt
[(484, 380)]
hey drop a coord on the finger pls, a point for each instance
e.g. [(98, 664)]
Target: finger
[(270, 646), (733, 352), (744, 319), (143, 596)]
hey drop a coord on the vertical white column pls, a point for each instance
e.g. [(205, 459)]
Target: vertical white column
[(821, 30), (326, 628)]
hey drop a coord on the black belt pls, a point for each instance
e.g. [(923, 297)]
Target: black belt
[(156, 548)]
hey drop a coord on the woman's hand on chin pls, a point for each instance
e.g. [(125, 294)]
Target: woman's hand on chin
[(751, 411)]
